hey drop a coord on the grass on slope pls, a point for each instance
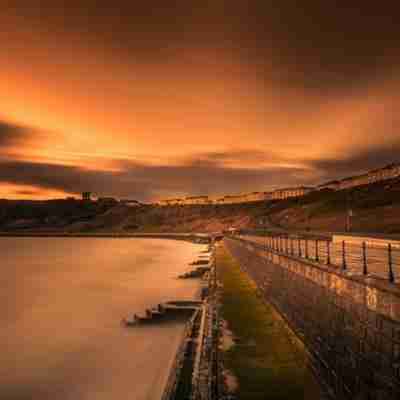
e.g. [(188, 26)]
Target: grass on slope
[(267, 358)]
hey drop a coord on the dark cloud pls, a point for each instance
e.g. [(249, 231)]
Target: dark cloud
[(358, 163), (11, 134), (239, 155), (206, 174), (331, 44), (314, 44), (148, 182)]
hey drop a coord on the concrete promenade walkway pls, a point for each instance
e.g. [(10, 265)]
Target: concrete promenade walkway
[(264, 358)]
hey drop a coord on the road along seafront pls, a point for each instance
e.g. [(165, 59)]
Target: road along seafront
[(260, 356)]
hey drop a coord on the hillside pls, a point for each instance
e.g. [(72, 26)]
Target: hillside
[(376, 208), (57, 215)]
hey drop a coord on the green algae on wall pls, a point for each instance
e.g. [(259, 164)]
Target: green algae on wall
[(268, 360)]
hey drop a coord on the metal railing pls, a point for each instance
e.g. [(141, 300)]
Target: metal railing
[(379, 261)]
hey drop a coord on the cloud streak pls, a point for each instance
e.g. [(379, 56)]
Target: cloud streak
[(205, 175), (147, 182)]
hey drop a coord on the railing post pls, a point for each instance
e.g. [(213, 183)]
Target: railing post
[(390, 259), (291, 247), (316, 251), (306, 246), (344, 265), (299, 245), (328, 252), (364, 255)]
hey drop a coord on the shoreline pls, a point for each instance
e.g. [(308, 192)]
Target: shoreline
[(110, 235)]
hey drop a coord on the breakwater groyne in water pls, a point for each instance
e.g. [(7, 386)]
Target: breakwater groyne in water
[(195, 370), (349, 323)]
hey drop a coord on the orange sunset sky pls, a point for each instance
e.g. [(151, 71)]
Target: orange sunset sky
[(156, 99)]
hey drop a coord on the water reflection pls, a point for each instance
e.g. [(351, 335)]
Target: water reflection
[(61, 303)]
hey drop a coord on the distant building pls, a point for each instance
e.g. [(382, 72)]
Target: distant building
[(243, 198), (197, 200), (286, 193), (388, 172), (228, 199), (257, 196), (87, 196), (170, 202)]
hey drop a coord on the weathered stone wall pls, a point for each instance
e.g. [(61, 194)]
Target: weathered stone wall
[(350, 325)]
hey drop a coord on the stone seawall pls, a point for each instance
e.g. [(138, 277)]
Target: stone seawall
[(351, 325)]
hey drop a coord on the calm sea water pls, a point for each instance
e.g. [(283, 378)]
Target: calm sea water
[(61, 302)]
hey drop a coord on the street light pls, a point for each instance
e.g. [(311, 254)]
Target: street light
[(262, 222), (349, 212)]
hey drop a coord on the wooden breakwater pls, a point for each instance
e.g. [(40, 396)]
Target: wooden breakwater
[(195, 371)]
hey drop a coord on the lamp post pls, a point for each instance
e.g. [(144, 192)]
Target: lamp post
[(262, 222), (349, 213), (349, 216)]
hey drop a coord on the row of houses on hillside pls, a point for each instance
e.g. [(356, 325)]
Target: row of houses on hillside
[(388, 172), (243, 198), (240, 198), (110, 201), (185, 201), (286, 193)]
